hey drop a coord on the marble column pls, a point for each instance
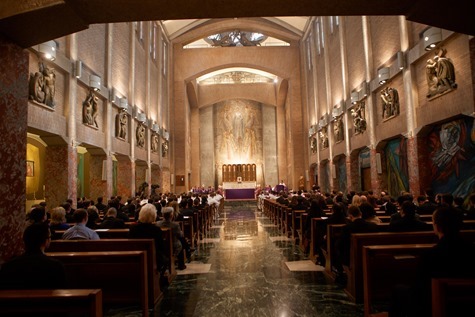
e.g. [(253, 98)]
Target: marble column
[(13, 127), (413, 166), (125, 170), (375, 177), (98, 168), (60, 174), (353, 172)]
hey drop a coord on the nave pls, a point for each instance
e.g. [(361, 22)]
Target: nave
[(245, 267)]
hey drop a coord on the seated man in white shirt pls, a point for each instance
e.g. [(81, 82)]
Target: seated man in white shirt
[(79, 231)]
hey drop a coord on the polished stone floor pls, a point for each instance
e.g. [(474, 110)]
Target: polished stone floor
[(245, 267)]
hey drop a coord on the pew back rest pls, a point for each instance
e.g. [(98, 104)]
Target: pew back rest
[(452, 296), (147, 245), (87, 301), (385, 266), (122, 276)]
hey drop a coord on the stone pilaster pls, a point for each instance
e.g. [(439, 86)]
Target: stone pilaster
[(98, 187), (375, 177), (60, 175), (13, 127), (413, 166), (125, 174)]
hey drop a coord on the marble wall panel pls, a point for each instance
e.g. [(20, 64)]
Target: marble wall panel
[(13, 127)]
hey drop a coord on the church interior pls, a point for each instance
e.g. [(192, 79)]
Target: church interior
[(114, 98)]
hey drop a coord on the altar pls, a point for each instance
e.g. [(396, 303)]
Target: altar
[(244, 190)]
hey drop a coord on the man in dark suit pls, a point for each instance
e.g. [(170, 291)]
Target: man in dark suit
[(111, 221), (356, 224), (33, 269), (408, 220), (451, 257)]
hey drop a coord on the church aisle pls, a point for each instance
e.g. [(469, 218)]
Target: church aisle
[(241, 270)]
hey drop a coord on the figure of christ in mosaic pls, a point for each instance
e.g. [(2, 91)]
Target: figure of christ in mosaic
[(237, 131)]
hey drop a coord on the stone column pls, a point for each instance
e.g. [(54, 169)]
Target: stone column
[(411, 101), (125, 172), (13, 127), (97, 169), (60, 174)]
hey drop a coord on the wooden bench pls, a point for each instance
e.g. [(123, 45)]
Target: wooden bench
[(295, 224), (168, 242), (148, 245), (34, 302), (122, 276), (354, 287), (452, 296), (385, 266)]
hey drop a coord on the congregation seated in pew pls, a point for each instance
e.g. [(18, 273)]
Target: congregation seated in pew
[(33, 269), (451, 257)]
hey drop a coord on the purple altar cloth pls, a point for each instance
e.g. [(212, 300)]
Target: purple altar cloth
[(239, 193)]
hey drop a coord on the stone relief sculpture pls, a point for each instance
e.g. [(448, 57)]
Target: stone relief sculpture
[(165, 148), (440, 74), (358, 114), (324, 137), (90, 110), (390, 102), (313, 144), (154, 143), (140, 135), (121, 124), (338, 131), (42, 85)]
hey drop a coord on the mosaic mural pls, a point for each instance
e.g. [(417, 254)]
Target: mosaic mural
[(396, 166), (452, 157)]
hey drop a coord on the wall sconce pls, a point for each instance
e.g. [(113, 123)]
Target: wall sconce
[(432, 37), (95, 82), (383, 75), (155, 128), (354, 97), (78, 69), (123, 104), (141, 117), (48, 49), (363, 93), (400, 60)]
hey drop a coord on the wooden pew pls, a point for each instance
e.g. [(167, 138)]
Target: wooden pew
[(301, 232), (34, 302), (452, 297), (385, 266), (122, 276), (354, 287), (148, 245), (318, 230), (295, 224), (168, 237)]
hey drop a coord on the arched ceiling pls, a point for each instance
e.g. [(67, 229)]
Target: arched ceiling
[(176, 28), (30, 22)]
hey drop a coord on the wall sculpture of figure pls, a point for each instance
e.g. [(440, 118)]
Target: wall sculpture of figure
[(440, 74), (313, 144), (90, 110), (140, 135), (358, 114), (390, 102), (338, 129), (165, 148), (324, 137), (121, 124), (42, 85), (154, 143)]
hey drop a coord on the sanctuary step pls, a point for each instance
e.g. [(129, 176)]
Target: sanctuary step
[(240, 203)]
